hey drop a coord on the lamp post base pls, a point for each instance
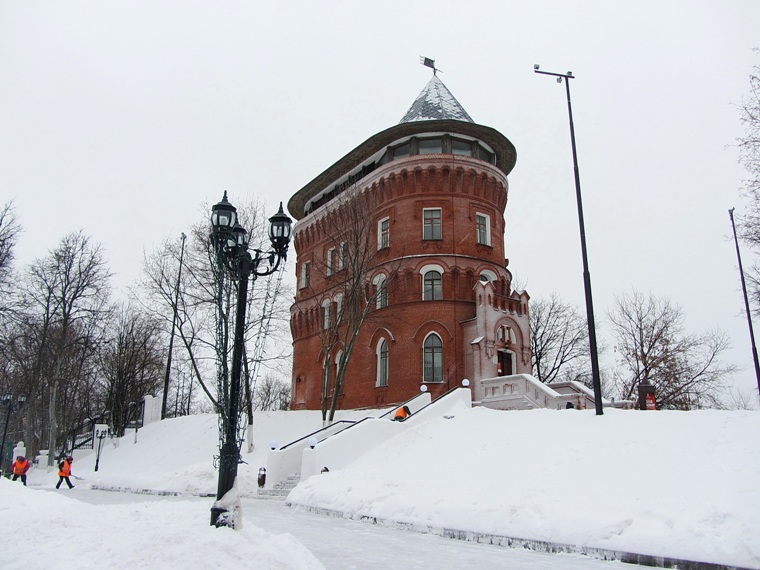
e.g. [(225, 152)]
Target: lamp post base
[(227, 512), (222, 516)]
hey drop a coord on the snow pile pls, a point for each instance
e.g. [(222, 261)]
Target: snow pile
[(163, 534), (676, 484)]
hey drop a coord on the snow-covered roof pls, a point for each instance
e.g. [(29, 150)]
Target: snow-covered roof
[(435, 102)]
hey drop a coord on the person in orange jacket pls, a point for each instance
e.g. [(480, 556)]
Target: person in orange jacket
[(401, 414), (20, 467), (64, 472)]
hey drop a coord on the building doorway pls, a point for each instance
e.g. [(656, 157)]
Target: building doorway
[(506, 363)]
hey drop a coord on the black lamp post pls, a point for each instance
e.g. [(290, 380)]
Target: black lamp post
[(10, 407), (100, 435), (586, 275), (231, 247)]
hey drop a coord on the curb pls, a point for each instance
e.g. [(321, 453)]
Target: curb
[(529, 544)]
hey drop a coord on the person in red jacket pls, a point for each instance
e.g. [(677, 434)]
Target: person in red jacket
[(20, 467), (64, 472)]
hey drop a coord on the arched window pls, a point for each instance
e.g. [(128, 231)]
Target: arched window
[(382, 363), (381, 291), (433, 359), (432, 286), (487, 275), (327, 323)]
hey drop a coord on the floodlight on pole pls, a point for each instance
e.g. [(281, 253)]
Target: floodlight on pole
[(595, 376)]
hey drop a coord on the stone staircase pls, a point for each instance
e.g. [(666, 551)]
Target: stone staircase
[(281, 490)]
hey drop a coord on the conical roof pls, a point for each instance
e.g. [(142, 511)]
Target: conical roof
[(435, 103)]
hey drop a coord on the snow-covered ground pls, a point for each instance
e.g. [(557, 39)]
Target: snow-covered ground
[(677, 484)]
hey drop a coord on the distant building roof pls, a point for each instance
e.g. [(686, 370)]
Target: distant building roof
[(435, 102)]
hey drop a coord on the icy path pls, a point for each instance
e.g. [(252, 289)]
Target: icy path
[(342, 544)]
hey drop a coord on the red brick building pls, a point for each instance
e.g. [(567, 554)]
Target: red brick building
[(442, 304)]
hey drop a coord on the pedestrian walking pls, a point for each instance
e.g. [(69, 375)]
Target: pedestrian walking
[(20, 467), (64, 472), (262, 479)]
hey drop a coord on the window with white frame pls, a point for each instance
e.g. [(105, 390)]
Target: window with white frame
[(382, 363), (384, 233), (431, 224), (433, 359), (432, 286), (338, 309), (330, 261), (342, 256), (487, 276), (327, 313), (305, 270), (381, 291), (483, 224)]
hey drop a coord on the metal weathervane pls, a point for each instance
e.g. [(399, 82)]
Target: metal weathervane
[(427, 62)]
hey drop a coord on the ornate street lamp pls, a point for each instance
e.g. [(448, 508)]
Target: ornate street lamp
[(595, 378), (230, 243), (10, 407), (100, 435)]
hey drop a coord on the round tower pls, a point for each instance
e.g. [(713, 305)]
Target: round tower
[(401, 273)]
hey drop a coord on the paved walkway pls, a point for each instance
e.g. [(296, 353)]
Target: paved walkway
[(343, 544)]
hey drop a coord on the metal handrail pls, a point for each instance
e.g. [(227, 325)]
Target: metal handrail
[(318, 431), (402, 404), (438, 398)]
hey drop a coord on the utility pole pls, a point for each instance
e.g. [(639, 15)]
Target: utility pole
[(174, 325)]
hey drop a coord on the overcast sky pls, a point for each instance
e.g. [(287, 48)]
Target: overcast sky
[(121, 118)]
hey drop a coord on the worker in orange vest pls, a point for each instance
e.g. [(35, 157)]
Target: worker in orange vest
[(20, 467), (401, 414), (64, 472)]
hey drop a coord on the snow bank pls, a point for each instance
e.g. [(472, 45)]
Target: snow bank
[(164, 534), (676, 484)]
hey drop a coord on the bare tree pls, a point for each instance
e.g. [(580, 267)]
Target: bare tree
[(558, 341), (348, 300), (653, 347), (157, 291), (68, 297), (749, 157), (131, 366), (9, 232), (205, 308), (272, 393)]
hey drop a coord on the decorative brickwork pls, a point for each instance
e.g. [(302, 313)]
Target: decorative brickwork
[(437, 225)]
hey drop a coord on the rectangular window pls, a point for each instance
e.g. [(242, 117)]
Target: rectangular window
[(483, 154), (384, 233), (305, 269), (483, 223), (462, 148), (401, 151), (430, 146), (431, 223)]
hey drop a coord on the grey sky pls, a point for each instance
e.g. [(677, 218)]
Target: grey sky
[(122, 117)]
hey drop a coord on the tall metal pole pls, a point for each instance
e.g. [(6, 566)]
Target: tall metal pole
[(746, 301), (595, 377), (229, 454), (174, 326), (5, 432)]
